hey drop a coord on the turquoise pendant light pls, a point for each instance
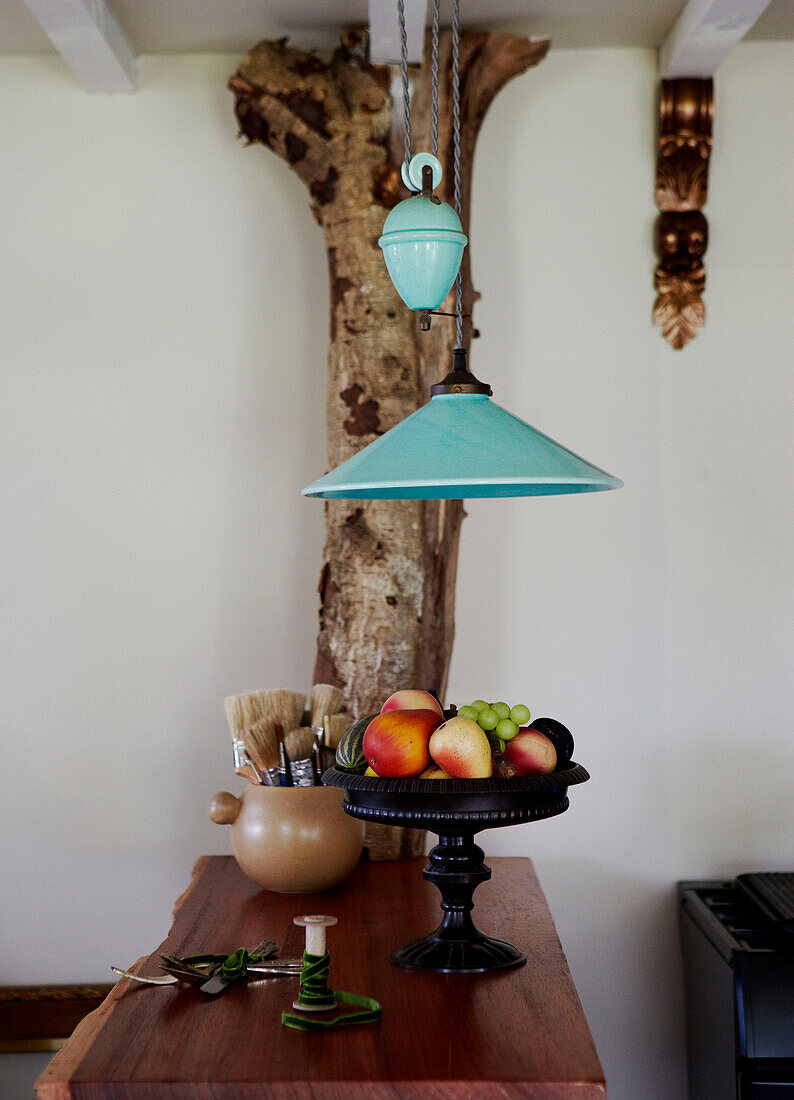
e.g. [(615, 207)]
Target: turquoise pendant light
[(461, 445)]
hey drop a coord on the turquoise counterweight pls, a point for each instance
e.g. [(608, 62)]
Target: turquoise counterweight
[(422, 245)]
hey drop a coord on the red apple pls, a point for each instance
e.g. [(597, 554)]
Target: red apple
[(411, 699), (395, 743), (532, 752)]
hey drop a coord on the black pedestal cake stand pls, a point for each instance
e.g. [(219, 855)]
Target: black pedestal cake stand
[(456, 809)]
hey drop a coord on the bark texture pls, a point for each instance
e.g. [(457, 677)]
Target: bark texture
[(387, 587)]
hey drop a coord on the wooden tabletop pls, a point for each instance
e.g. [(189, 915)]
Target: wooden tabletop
[(518, 1033)]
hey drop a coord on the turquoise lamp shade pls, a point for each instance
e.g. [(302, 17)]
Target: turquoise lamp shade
[(457, 446), (422, 245)]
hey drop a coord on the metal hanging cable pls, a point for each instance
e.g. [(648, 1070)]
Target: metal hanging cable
[(456, 155), (434, 71), (404, 75), (406, 90)]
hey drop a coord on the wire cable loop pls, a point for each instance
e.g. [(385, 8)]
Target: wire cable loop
[(404, 76), (434, 72), (456, 153)]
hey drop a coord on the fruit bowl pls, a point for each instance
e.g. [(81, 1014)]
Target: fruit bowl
[(456, 809)]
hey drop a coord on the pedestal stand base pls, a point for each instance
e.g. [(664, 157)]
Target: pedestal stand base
[(457, 809), (457, 946), (472, 957)]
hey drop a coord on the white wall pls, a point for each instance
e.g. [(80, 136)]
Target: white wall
[(164, 321), (158, 278), (657, 620)]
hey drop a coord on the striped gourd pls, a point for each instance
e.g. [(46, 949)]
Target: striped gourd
[(350, 751)]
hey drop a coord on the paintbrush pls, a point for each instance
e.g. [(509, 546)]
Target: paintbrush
[(337, 727), (247, 771), (242, 765), (284, 766), (325, 699), (249, 707), (299, 743), (286, 706), (261, 743), (263, 778), (323, 739), (317, 766), (242, 711)]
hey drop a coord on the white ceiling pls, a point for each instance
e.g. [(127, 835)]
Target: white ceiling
[(165, 26)]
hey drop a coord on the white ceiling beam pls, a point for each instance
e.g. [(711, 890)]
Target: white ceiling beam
[(384, 31), (704, 34), (91, 41)]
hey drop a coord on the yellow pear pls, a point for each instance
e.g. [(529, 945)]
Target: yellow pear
[(462, 749), (433, 772)]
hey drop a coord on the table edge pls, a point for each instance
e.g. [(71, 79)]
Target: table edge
[(53, 1083)]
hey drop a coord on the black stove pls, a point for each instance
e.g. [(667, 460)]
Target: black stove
[(738, 951)]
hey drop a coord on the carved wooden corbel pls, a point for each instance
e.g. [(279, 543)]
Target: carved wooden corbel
[(685, 118)]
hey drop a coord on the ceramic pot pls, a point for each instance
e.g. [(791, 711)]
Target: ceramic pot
[(292, 840)]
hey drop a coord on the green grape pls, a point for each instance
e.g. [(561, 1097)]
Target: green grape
[(502, 709), (520, 714), (488, 719), (468, 712), (479, 704), (506, 729)]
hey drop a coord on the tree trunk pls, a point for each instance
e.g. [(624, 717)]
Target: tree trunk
[(387, 587)]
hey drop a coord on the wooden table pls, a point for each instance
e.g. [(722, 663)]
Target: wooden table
[(518, 1033)]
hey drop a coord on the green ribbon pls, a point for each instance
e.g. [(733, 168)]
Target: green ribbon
[(233, 967), (314, 993)]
